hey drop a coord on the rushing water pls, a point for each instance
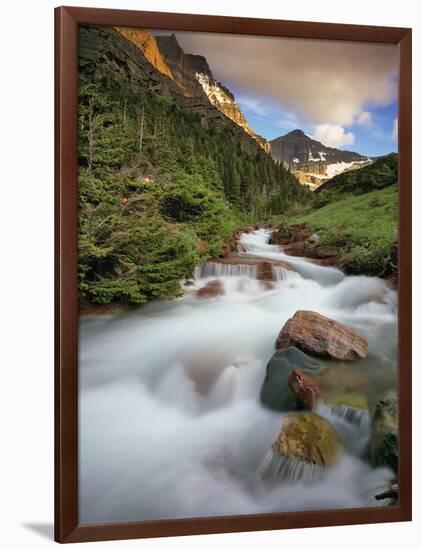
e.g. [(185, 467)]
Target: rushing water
[(171, 424)]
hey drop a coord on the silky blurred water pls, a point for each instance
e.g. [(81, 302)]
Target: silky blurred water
[(170, 423)]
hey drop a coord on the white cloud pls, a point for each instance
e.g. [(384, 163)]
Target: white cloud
[(321, 81), (333, 135), (364, 118), (395, 131)]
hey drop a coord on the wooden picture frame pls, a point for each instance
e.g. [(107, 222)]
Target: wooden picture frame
[(67, 527)]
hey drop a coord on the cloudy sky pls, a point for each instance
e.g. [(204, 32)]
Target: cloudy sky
[(342, 93)]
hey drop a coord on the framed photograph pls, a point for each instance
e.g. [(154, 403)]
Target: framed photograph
[(233, 274)]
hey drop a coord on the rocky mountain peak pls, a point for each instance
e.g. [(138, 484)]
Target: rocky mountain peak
[(195, 79), (311, 161), (180, 66), (297, 134), (199, 64), (145, 41)]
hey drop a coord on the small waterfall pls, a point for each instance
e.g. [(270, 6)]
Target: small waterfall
[(358, 417), (281, 273), (251, 271), (289, 470), (219, 269)]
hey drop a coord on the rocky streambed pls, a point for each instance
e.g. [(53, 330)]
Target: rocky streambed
[(269, 386)]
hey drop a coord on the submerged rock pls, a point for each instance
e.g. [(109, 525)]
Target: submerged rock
[(352, 407), (275, 391), (304, 389), (383, 445), (213, 288), (267, 285), (305, 445), (357, 417), (319, 335), (350, 399)]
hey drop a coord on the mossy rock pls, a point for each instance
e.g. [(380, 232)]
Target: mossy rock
[(275, 391), (383, 445), (350, 399), (309, 438)]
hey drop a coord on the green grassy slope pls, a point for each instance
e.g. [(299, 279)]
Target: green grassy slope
[(382, 173), (362, 227)]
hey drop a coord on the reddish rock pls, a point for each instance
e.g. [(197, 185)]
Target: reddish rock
[(280, 236), (265, 272), (248, 229), (304, 389), (236, 237), (319, 335), (213, 288), (301, 235), (225, 251), (298, 248), (333, 261)]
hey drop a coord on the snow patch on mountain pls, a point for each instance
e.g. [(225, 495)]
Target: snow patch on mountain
[(215, 94), (338, 167)]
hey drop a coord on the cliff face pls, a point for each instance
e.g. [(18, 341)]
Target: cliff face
[(179, 64), (222, 98), (107, 53), (194, 77), (311, 161), (146, 42)]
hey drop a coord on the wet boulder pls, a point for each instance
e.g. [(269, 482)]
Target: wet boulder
[(383, 444), (280, 236), (265, 272), (275, 391), (321, 336), (211, 289), (304, 389), (304, 447), (297, 248)]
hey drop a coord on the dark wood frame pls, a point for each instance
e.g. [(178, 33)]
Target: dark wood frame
[(67, 528)]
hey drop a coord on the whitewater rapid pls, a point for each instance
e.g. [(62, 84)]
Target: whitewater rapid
[(170, 422)]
